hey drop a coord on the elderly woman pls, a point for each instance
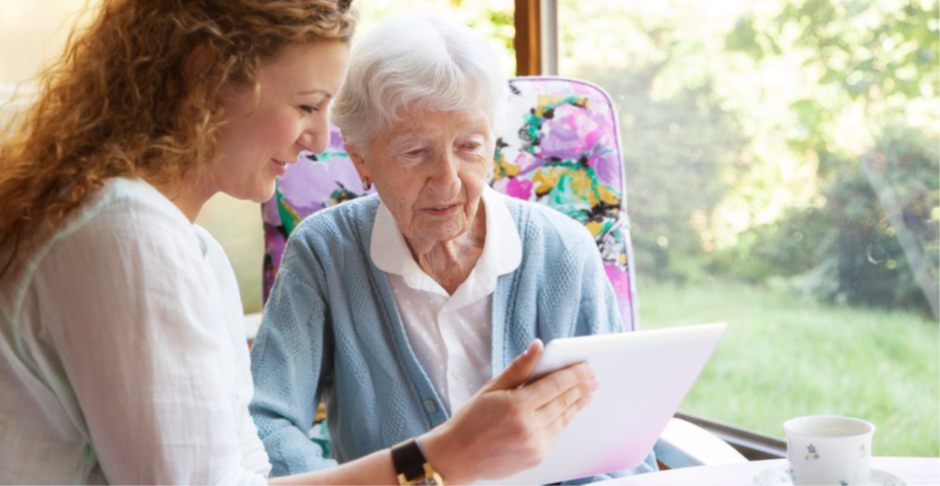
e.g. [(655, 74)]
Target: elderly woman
[(397, 308)]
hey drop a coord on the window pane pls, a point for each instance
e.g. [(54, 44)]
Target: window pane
[(492, 19), (782, 173)]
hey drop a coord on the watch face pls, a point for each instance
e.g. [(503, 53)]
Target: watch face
[(430, 477)]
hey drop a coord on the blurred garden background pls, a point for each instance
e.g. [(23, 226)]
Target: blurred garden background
[(783, 176), (782, 161)]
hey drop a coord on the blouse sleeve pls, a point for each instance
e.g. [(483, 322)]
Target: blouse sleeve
[(130, 314)]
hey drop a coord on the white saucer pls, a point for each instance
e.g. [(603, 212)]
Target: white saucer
[(777, 476)]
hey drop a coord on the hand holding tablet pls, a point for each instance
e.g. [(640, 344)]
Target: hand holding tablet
[(644, 376)]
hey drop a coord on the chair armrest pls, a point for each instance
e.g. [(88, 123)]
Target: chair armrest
[(684, 444)]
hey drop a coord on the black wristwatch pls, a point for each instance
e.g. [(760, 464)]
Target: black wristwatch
[(411, 465)]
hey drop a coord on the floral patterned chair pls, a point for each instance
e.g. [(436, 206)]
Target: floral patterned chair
[(559, 146), (317, 181)]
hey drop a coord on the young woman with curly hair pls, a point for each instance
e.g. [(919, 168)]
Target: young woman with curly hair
[(122, 354)]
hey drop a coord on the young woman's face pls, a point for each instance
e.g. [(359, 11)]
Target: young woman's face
[(258, 140)]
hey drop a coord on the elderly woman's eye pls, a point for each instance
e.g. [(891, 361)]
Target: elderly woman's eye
[(415, 152), (308, 109), (472, 146)]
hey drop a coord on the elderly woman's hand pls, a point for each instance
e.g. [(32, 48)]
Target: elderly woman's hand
[(505, 428)]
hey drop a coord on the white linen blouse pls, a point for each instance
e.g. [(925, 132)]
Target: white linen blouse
[(123, 355), (451, 335)]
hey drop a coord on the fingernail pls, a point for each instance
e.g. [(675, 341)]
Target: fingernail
[(595, 384), (590, 368)]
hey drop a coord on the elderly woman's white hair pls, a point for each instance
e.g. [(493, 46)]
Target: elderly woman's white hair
[(421, 64)]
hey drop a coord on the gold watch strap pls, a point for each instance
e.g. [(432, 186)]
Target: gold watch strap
[(411, 466)]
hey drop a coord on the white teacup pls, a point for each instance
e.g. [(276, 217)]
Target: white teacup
[(827, 449)]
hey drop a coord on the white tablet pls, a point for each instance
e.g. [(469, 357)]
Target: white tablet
[(644, 376)]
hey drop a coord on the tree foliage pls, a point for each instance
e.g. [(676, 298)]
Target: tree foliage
[(868, 88), (880, 57)]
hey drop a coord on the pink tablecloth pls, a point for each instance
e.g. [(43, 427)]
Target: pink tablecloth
[(913, 470)]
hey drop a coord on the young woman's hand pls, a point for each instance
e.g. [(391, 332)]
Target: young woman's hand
[(505, 428)]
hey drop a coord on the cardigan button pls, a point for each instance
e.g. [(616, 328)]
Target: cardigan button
[(430, 405)]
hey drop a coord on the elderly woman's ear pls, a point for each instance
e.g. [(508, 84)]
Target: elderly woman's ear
[(359, 162)]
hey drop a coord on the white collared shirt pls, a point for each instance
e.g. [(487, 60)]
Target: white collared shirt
[(450, 334)]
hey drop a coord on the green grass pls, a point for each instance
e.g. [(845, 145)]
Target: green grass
[(784, 357)]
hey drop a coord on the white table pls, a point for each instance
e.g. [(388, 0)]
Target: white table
[(914, 470)]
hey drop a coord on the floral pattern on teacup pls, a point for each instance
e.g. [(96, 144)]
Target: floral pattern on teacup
[(812, 453)]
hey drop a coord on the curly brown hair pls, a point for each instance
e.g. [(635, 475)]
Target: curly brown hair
[(119, 101)]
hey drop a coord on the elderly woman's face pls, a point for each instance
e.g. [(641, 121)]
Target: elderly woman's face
[(430, 170)]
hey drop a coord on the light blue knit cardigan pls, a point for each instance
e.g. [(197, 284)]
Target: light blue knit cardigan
[(332, 331)]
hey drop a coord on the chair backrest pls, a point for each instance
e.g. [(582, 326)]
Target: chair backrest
[(559, 146)]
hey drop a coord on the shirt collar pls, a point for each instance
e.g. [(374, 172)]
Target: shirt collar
[(502, 250)]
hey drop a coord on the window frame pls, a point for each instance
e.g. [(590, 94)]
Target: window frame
[(536, 41), (527, 41)]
